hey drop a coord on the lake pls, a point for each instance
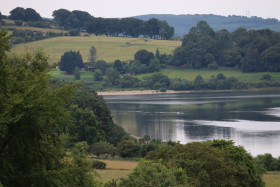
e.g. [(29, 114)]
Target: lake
[(249, 119)]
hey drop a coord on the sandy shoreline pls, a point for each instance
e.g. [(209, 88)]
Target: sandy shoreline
[(139, 92)]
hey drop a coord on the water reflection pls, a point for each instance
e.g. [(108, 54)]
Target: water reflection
[(251, 120)]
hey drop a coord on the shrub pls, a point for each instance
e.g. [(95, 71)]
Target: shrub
[(18, 23), (266, 77), (96, 164), (162, 90), (74, 32)]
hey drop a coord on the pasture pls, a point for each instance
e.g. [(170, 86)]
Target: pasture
[(108, 48), (115, 170)]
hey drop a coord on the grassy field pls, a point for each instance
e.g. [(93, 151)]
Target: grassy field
[(115, 170), (108, 48), (188, 74), (272, 179)]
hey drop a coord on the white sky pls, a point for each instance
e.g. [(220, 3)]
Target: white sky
[(126, 8)]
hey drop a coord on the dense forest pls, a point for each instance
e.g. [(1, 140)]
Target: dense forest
[(252, 51)]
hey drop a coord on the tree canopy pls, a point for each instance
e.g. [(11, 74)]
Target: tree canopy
[(31, 112), (26, 15), (70, 60)]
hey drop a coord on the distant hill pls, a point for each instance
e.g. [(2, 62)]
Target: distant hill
[(183, 23)]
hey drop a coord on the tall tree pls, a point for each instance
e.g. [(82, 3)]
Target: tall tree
[(70, 60), (61, 16), (17, 13), (30, 113), (92, 55)]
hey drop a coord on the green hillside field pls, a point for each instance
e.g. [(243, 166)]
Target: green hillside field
[(108, 48)]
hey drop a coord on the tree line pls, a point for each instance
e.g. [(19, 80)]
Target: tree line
[(82, 20), (249, 50)]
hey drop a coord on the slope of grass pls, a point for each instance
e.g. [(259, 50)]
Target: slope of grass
[(116, 170), (108, 48), (272, 179)]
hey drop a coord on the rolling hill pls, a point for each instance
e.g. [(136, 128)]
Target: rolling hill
[(108, 48), (183, 23)]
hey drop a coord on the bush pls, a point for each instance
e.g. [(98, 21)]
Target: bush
[(213, 66), (74, 32), (18, 23), (162, 90), (96, 164), (266, 77)]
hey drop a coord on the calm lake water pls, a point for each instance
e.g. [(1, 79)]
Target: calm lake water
[(249, 119)]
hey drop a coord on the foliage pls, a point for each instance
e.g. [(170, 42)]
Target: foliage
[(252, 51), (88, 98), (70, 60), (149, 173), (97, 164), (85, 126), (92, 55), (74, 32), (26, 15), (213, 163), (77, 73), (97, 75), (268, 162), (31, 112), (132, 27), (143, 56), (100, 148), (128, 148)]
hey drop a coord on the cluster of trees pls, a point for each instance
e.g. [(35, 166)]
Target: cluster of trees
[(268, 162), (252, 51), (41, 119), (212, 163), (132, 27), (25, 15)]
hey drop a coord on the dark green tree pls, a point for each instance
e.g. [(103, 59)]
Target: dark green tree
[(128, 148), (77, 73), (97, 75), (88, 98), (149, 173), (30, 114), (70, 60), (85, 126), (151, 27), (100, 148), (17, 14), (61, 16), (31, 15), (144, 56)]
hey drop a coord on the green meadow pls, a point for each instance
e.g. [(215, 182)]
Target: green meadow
[(188, 74), (108, 48)]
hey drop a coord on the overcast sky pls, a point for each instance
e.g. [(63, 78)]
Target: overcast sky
[(126, 8)]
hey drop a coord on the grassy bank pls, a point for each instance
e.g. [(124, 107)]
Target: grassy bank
[(108, 48), (272, 179)]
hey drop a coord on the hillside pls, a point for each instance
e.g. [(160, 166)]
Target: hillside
[(183, 23), (108, 48)]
